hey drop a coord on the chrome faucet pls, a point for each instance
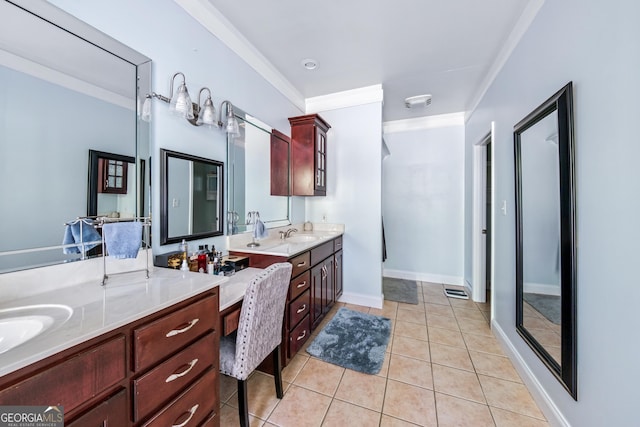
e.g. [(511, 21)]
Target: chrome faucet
[(286, 234)]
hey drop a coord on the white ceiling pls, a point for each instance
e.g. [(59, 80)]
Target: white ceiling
[(446, 48)]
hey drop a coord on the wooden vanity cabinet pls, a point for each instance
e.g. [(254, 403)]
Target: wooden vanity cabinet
[(280, 171), (308, 160), (153, 371)]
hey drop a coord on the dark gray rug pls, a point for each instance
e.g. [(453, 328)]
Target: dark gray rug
[(400, 290), (353, 340), (547, 305)]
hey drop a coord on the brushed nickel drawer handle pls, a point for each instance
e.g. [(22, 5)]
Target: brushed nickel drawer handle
[(301, 264), (183, 330), (302, 284), (304, 334), (301, 309), (173, 377), (192, 412)]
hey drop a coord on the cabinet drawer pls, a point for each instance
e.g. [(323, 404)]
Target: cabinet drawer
[(162, 337), (231, 321), (172, 376), (299, 285), (75, 381), (321, 252), (300, 264), (337, 244), (111, 412), (191, 407), (299, 308), (299, 335)]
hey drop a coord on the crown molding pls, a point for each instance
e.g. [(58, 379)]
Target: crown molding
[(211, 18), (521, 26), (347, 98), (422, 123)]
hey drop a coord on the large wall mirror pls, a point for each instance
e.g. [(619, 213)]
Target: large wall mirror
[(249, 166), (191, 197), (545, 235), (66, 89)]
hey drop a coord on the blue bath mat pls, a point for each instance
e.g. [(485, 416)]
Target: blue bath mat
[(353, 340)]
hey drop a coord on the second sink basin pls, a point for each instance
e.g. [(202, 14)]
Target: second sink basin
[(20, 324)]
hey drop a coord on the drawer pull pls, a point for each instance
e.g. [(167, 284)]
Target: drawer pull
[(304, 334), (191, 413), (175, 332), (301, 264), (301, 309), (301, 284), (173, 377)]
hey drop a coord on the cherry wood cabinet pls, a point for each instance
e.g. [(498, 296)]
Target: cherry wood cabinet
[(280, 175), (308, 155), (159, 370)]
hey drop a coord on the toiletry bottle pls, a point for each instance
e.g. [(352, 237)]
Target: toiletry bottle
[(193, 262), (202, 259), (184, 248)]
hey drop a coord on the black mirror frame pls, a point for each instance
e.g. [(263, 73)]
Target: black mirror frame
[(164, 201), (92, 188), (561, 103)]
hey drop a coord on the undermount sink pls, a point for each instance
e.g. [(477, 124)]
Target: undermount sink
[(301, 238), (20, 324)]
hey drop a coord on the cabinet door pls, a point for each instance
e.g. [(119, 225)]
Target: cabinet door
[(328, 291), (111, 412), (317, 278), (279, 164), (337, 276), (321, 162)]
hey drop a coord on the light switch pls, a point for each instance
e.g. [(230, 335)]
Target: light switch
[(175, 203)]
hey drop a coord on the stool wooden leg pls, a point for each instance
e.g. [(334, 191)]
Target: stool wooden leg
[(243, 405), (277, 371)]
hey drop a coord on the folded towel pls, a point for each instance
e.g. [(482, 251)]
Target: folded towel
[(259, 230), (79, 232), (122, 239)]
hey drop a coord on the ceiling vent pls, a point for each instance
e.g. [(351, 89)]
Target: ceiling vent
[(417, 101)]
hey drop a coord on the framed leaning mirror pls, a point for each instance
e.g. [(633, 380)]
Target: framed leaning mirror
[(546, 236), (191, 197)]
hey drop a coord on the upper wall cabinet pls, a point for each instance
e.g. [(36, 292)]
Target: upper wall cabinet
[(308, 155)]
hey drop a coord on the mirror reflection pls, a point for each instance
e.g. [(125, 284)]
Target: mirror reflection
[(111, 185), (249, 163), (60, 100), (191, 197), (545, 256)]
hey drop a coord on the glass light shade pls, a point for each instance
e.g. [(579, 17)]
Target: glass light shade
[(181, 102), (232, 127), (208, 114), (146, 110)]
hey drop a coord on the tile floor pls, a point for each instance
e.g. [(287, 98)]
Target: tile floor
[(443, 367)]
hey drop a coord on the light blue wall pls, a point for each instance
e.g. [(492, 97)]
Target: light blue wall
[(595, 45), (423, 209), (163, 31)]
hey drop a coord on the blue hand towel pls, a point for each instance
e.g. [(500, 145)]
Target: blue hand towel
[(78, 232), (122, 239), (259, 230)]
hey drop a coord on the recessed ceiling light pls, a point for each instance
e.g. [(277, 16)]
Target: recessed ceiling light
[(417, 101), (309, 64)]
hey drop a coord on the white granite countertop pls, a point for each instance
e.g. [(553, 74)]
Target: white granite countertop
[(234, 289), (297, 243), (98, 309)]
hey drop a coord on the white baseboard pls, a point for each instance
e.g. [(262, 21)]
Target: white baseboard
[(542, 288), (547, 406), (423, 277), (361, 299)]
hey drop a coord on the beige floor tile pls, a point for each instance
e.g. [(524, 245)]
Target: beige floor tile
[(485, 307), (440, 298), (446, 337), (354, 307), (387, 421), (509, 395), (320, 376), (229, 417), (455, 357), (494, 366), (466, 313), (438, 310), (342, 414), (458, 383), (411, 307), (411, 347), (228, 386), (384, 370), (261, 395), (432, 288), (445, 322), (294, 367), (511, 419), (410, 371), (411, 316), (483, 344), (411, 330), (300, 408), (362, 390), (478, 327), (462, 303), (410, 403), (455, 412)]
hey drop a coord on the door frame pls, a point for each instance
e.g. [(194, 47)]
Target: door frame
[(479, 221)]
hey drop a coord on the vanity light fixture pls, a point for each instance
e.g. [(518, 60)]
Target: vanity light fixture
[(206, 115), (231, 127)]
